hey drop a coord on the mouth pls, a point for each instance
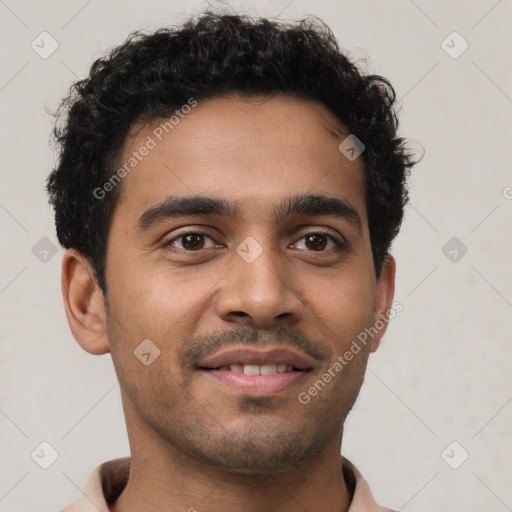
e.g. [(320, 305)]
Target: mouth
[(255, 369), (257, 372)]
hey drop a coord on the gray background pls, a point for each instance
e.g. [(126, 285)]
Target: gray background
[(442, 373)]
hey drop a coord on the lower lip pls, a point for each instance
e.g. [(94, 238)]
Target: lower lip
[(257, 385)]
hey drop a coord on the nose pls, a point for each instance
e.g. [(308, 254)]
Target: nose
[(261, 291)]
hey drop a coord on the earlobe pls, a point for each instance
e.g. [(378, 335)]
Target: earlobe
[(384, 299), (84, 303)]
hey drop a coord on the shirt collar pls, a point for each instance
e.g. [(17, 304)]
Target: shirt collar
[(106, 483)]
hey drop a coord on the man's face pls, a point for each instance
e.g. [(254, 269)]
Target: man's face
[(239, 287)]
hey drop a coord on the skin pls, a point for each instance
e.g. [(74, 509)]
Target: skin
[(194, 443)]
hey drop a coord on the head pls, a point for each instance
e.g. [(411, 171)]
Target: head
[(205, 203)]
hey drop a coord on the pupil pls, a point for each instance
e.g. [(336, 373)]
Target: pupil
[(316, 245), (192, 245)]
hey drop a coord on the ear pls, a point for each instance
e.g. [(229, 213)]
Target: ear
[(384, 299), (84, 303)]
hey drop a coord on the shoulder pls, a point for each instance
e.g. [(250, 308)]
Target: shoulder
[(362, 498)]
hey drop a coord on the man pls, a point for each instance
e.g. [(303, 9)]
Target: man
[(227, 192)]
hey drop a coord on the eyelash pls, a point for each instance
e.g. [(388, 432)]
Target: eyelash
[(339, 244)]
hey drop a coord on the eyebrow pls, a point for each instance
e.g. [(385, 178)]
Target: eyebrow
[(312, 205)]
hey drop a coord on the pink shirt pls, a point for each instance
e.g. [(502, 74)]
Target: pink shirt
[(106, 483)]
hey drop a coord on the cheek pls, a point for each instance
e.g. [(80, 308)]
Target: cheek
[(343, 306), (146, 296), (161, 305), (343, 313), (168, 296)]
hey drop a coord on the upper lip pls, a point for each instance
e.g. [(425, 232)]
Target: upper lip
[(259, 357)]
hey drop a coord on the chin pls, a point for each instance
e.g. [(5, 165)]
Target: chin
[(262, 449)]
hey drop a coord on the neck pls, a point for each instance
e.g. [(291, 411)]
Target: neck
[(164, 478)]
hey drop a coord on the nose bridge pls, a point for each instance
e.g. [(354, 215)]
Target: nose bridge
[(259, 283), (260, 265)]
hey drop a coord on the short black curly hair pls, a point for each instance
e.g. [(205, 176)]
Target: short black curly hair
[(151, 75)]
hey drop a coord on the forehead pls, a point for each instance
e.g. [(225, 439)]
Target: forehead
[(256, 151)]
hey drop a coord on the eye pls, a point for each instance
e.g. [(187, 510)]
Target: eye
[(190, 241), (317, 242), (194, 241)]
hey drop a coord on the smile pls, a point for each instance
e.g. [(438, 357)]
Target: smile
[(254, 369), (257, 373)]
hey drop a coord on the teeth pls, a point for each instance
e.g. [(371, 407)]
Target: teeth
[(268, 369), (251, 369), (254, 369)]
